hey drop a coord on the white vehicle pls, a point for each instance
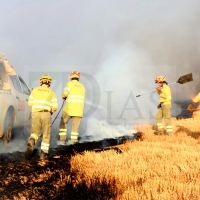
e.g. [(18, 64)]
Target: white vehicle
[(14, 94)]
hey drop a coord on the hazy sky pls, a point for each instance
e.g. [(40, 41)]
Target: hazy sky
[(123, 45)]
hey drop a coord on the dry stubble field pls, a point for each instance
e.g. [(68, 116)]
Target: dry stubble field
[(151, 168), (158, 167)]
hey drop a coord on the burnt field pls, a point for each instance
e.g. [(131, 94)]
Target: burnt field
[(53, 178)]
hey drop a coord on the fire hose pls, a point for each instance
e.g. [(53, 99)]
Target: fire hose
[(59, 111)]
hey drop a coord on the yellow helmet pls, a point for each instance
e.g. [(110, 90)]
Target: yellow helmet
[(45, 79), (75, 74), (160, 79)]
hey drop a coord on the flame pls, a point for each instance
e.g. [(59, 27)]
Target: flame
[(196, 113)]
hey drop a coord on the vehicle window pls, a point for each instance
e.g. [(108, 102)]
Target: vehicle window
[(4, 80), (25, 89), (16, 83)]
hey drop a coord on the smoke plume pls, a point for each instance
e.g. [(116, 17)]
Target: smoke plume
[(123, 46)]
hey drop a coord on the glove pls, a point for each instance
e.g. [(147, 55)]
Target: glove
[(191, 106), (159, 106), (159, 90), (64, 98)]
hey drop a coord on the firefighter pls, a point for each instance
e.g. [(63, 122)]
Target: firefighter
[(74, 94), (193, 102), (164, 107), (44, 103)]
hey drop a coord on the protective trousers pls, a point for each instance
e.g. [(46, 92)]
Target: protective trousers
[(164, 111), (75, 127), (41, 120)]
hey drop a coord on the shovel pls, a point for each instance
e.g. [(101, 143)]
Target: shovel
[(183, 79)]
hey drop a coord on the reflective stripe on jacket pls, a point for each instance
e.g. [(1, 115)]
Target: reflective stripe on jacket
[(43, 98), (165, 95), (75, 94)]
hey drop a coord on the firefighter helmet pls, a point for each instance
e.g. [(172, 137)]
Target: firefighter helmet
[(45, 79), (160, 79), (75, 74)]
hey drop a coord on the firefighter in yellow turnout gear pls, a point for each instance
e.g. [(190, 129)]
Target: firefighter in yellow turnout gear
[(164, 108), (74, 93), (43, 102), (193, 102)]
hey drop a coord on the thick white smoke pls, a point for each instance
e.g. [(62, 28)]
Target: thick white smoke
[(122, 45)]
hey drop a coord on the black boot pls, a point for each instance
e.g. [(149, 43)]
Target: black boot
[(30, 146), (43, 155), (159, 132)]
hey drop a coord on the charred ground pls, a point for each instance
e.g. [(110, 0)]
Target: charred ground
[(53, 178)]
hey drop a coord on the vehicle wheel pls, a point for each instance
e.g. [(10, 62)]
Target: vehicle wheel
[(9, 122)]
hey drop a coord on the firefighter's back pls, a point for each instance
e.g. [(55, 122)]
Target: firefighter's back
[(75, 100)]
